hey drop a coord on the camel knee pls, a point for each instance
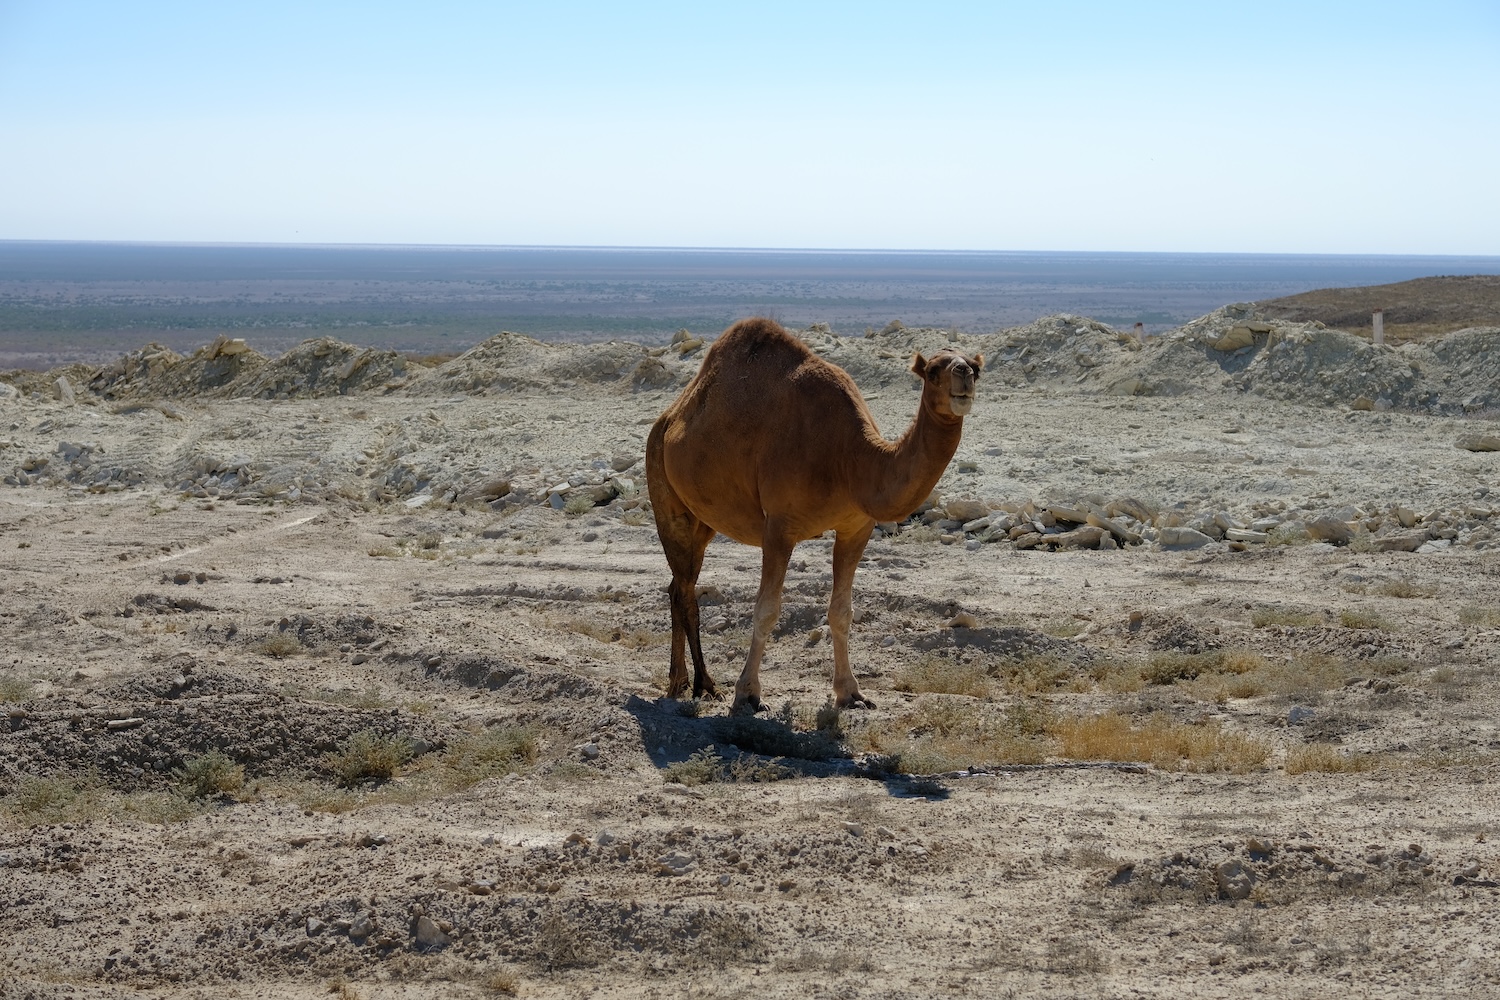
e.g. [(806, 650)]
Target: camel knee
[(840, 616)]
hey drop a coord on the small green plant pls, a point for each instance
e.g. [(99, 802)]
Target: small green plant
[(211, 774), (367, 757), (702, 767)]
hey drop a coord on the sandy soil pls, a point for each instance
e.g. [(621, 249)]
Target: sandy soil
[(269, 575)]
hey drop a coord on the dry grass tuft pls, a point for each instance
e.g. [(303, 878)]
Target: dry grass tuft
[(1406, 589), (1323, 758), (1040, 674), (501, 981), (15, 690), (935, 675), (946, 734), (1167, 745)]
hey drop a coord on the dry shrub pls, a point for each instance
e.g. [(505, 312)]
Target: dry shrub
[(493, 753), (1323, 758), (1350, 618), (935, 675), (1039, 674), (366, 757), (1473, 614), (209, 775), (1406, 589), (280, 645), (706, 765), (1292, 617), (1167, 745), (15, 689)]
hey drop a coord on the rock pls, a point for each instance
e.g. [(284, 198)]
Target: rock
[(359, 658), (589, 751), (1299, 715), (858, 830), (1329, 529), (888, 641), (977, 525), (314, 926), (1085, 537), (1182, 538), (1480, 442), (488, 491), (1233, 879), (963, 620), (429, 934), (480, 887), (675, 863), (1362, 403), (1132, 508), (1406, 516), (623, 462), (8, 391), (574, 838), (1246, 535), (1236, 338), (1115, 528), (964, 511), (1409, 542), (363, 926), (604, 838), (1071, 515), (62, 390), (1028, 540)]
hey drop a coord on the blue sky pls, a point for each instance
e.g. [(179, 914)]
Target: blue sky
[(1272, 127)]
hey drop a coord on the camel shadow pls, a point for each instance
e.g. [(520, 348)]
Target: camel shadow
[(672, 733)]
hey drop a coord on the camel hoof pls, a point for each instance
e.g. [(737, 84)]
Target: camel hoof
[(709, 691), (855, 700), (746, 706)]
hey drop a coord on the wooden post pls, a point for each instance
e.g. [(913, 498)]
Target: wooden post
[(1379, 320)]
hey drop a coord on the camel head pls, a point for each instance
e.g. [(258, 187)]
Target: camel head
[(948, 381)]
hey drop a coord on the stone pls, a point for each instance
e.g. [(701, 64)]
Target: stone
[(314, 926), (1084, 537), (1409, 542), (675, 863), (623, 462), (1236, 338), (605, 837), (977, 525), (1115, 528), (1480, 442), (963, 620), (1182, 538), (429, 934), (8, 391), (964, 511), (1362, 403), (858, 830), (363, 925), (1132, 508), (1299, 715), (589, 751), (62, 390), (1072, 515), (1329, 529), (1028, 540), (1233, 879), (1246, 535)]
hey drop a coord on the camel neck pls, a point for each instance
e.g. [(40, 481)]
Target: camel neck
[(911, 466)]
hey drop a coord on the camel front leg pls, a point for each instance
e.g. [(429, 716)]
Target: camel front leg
[(847, 549), (775, 553)]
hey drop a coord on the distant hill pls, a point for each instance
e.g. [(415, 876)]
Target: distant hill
[(1414, 310)]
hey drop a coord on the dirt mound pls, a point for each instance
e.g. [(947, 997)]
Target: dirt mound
[(1414, 310), (324, 367), (511, 362)]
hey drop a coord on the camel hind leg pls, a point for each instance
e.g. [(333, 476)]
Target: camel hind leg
[(847, 548), (683, 539)]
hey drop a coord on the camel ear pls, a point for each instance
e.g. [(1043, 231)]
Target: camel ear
[(978, 363), (919, 365)]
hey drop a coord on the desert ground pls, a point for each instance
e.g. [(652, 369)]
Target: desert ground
[(337, 674)]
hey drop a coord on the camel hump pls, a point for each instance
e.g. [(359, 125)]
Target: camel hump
[(761, 340)]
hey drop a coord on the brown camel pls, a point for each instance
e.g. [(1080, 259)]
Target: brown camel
[(771, 445)]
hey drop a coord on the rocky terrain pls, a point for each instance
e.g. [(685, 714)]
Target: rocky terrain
[(335, 672)]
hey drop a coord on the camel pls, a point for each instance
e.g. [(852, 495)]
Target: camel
[(771, 445)]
